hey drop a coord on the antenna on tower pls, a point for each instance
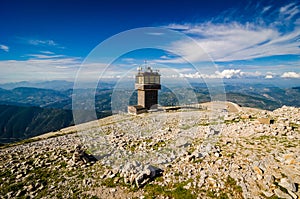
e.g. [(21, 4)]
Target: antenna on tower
[(145, 65)]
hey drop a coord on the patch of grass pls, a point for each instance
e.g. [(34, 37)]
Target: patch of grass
[(43, 175), (231, 155), (190, 150), (81, 176), (294, 125), (63, 164), (211, 193), (235, 189), (230, 121), (232, 190), (204, 124), (230, 181), (154, 190), (94, 197), (54, 135), (263, 137), (198, 160), (159, 144), (176, 191), (88, 151), (5, 173), (182, 193), (177, 174), (290, 145), (19, 142), (185, 127), (273, 197), (223, 196), (159, 179), (109, 182), (15, 187)]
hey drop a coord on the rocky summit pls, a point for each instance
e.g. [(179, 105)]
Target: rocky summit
[(235, 152)]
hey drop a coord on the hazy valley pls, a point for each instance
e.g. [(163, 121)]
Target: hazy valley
[(48, 109)]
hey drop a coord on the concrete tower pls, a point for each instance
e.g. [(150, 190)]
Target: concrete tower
[(147, 83)]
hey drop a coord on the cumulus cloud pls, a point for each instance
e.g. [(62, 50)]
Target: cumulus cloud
[(269, 76), (225, 74), (228, 74), (4, 48), (290, 75)]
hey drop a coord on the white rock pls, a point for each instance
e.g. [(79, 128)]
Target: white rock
[(281, 194), (286, 183)]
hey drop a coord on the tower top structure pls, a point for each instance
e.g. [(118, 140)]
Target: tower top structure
[(147, 84)]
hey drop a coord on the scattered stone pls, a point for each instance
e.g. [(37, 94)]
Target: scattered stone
[(286, 183), (245, 116), (79, 155), (281, 194), (266, 120), (294, 196), (257, 170), (268, 193), (19, 176), (240, 152)]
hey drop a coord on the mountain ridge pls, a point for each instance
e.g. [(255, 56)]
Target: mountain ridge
[(177, 154)]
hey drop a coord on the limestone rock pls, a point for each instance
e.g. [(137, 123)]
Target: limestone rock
[(281, 194), (286, 183)]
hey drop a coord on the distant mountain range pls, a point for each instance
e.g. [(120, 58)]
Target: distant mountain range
[(29, 111), (59, 85), (55, 85), (17, 123)]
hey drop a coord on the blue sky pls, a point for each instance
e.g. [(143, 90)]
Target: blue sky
[(47, 40)]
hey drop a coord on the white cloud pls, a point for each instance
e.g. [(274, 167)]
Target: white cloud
[(290, 75), (251, 74), (164, 57), (265, 9), (269, 76), (37, 42), (225, 74), (228, 73), (289, 11), (58, 67), (155, 33), (43, 56), (129, 60), (285, 8), (4, 48), (47, 66), (47, 52), (38, 69), (178, 26), (230, 41)]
